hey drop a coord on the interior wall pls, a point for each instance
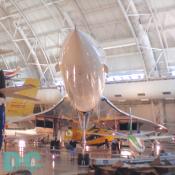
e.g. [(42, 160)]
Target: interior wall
[(158, 111), (124, 63)]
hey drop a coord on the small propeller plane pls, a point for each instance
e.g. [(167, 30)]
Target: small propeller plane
[(11, 73), (96, 136)]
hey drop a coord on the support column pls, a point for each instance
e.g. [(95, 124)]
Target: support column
[(2, 108), (55, 128)]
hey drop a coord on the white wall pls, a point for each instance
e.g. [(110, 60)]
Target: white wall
[(161, 111)]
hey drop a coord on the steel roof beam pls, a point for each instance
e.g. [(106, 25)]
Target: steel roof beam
[(124, 11)]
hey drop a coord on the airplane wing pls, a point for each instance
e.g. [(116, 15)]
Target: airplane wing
[(52, 112), (15, 92), (62, 110), (24, 97), (105, 111), (117, 136), (163, 137), (23, 110), (108, 111)]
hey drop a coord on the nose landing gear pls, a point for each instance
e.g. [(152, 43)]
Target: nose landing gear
[(83, 158)]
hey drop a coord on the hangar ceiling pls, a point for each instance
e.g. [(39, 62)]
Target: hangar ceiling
[(138, 37)]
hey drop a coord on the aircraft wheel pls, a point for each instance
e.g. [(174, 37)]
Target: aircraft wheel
[(83, 159), (80, 159), (86, 159)]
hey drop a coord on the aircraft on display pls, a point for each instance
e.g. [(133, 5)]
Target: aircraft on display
[(135, 140), (21, 103), (97, 136), (33, 136), (84, 77), (94, 136), (84, 73), (11, 73)]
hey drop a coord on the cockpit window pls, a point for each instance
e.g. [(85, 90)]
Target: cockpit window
[(92, 137)]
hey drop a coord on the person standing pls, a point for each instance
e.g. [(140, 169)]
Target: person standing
[(113, 147), (106, 144), (72, 149), (118, 146)]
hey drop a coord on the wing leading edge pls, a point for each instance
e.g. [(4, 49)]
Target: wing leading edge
[(64, 110), (118, 114)]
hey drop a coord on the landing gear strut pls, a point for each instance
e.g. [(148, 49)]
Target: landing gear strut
[(83, 158)]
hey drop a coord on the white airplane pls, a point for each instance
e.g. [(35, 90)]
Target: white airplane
[(84, 78)]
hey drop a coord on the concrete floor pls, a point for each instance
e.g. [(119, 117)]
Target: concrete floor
[(51, 163), (59, 164)]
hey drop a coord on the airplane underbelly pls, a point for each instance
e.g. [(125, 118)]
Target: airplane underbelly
[(84, 91)]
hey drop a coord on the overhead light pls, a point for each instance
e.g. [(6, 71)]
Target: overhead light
[(122, 100), (119, 46), (144, 99), (170, 98), (173, 73)]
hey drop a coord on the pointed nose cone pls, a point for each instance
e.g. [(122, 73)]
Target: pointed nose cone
[(71, 47), (79, 48)]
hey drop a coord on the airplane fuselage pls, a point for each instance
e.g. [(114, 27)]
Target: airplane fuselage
[(82, 71)]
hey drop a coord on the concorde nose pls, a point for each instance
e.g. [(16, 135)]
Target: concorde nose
[(71, 48), (75, 48)]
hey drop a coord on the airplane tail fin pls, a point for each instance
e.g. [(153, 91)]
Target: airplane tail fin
[(23, 107)]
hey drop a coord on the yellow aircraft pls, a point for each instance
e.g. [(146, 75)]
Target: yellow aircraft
[(95, 136), (23, 105)]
